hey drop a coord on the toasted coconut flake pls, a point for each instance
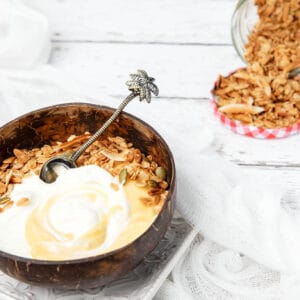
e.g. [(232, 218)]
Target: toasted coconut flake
[(241, 108), (115, 156), (74, 141)]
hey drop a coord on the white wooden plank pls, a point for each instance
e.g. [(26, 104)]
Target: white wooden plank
[(168, 21), (181, 71), (189, 117), (287, 178), (250, 151), (188, 71)]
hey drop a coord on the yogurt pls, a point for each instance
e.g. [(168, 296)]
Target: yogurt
[(81, 214)]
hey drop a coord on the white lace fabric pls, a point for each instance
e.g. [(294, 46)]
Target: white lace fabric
[(251, 234), (210, 271)]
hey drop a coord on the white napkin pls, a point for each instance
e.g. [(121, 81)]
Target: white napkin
[(27, 82), (24, 36)]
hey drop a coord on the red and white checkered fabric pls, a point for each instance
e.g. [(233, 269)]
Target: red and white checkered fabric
[(253, 131)]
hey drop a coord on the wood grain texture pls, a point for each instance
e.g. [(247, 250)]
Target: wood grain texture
[(133, 21), (180, 71), (180, 115)]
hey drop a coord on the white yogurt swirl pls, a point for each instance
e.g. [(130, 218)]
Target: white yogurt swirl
[(78, 215)]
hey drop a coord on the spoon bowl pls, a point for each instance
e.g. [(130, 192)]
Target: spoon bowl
[(55, 166)]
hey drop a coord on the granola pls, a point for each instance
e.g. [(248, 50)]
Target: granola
[(263, 94), (113, 154)]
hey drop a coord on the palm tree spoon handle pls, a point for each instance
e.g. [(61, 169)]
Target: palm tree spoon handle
[(97, 134), (140, 85)]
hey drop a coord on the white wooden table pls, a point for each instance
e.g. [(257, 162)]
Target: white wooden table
[(184, 44)]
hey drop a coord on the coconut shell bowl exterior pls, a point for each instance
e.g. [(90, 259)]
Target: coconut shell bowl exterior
[(57, 123)]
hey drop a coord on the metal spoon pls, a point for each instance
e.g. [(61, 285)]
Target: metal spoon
[(140, 85)]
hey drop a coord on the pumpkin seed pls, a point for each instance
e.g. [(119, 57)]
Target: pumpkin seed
[(68, 154), (152, 183), (123, 176), (4, 200), (161, 173)]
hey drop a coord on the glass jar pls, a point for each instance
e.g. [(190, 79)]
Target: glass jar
[(243, 20)]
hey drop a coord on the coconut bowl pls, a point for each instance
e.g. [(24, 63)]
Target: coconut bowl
[(57, 123)]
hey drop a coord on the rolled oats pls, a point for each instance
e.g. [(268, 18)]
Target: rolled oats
[(113, 154)]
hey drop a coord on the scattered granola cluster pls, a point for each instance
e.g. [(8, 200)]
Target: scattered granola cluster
[(113, 154), (263, 94)]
